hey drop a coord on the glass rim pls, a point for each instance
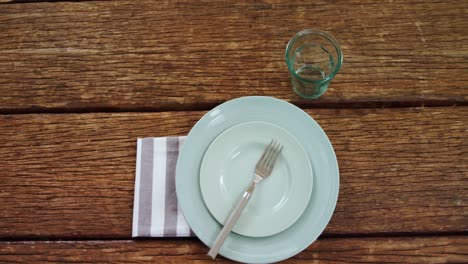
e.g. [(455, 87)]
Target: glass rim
[(328, 37)]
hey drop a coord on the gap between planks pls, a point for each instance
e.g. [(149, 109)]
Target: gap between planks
[(208, 106), (323, 236)]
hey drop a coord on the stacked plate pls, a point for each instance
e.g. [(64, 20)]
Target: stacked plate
[(289, 210)]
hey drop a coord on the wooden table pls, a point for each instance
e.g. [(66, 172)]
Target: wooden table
[(81, 81)]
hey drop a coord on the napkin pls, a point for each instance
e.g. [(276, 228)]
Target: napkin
[(155, 210)]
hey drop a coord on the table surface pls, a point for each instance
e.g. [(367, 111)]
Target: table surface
[(81, 81)]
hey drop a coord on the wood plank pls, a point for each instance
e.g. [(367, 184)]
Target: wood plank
[(191, 55), (65, 176), (342, 250)]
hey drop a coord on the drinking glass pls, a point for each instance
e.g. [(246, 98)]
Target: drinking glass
[(313, 57)]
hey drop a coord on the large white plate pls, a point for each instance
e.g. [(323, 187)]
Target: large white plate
[(227, 169), (324, 191)]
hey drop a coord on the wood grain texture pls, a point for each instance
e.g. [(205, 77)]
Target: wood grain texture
[(72, 175), (348, 250), (195, 54)]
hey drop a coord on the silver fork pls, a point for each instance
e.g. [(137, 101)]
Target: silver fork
[(263, 169)]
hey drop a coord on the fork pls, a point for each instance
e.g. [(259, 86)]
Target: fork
[(263, 169)]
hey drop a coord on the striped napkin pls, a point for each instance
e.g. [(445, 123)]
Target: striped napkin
[(155, 210)]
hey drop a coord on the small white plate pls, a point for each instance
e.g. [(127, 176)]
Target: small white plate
[(227, 169)]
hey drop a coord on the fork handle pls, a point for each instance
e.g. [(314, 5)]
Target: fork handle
[(231, 221)]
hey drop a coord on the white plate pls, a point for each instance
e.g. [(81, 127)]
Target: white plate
[(324, 191), (227, 169)]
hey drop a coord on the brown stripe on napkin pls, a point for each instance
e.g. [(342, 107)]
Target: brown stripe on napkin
[(146, 187), (170, 219)]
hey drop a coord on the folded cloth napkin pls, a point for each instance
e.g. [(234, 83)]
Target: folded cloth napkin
[(155, 210)]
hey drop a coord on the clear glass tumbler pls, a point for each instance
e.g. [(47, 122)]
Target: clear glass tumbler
[(313, 58)]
